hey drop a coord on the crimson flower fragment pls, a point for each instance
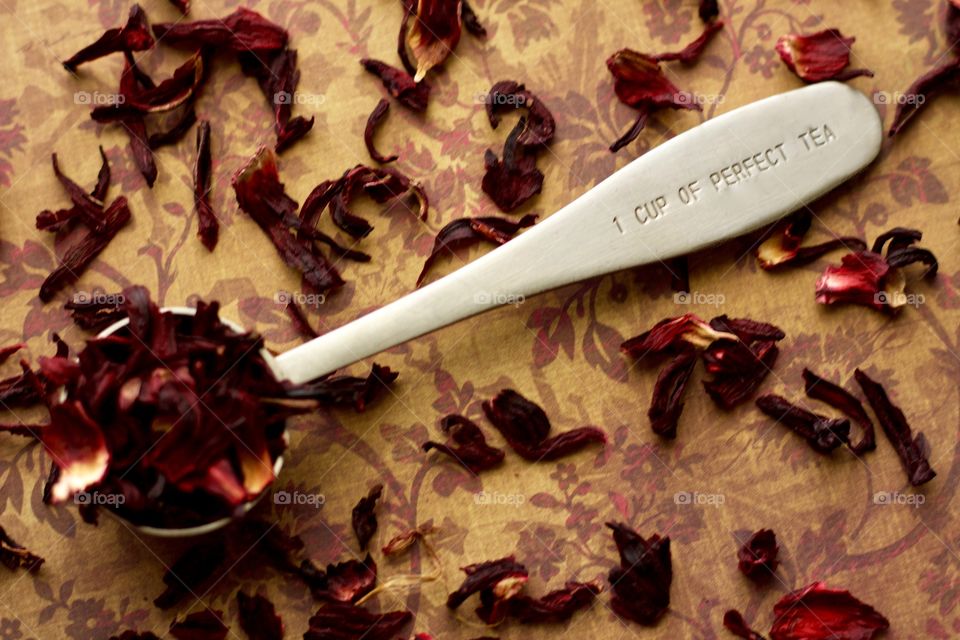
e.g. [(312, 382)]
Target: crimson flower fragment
[(820, 56), (15, 556), (434, 34), (278, 76), (841, 399), (87, 208), (195, 567), (739, 366), (400, 84), (343, 582), (133, 36), (350, 622), (913, 451), (348, 391), (527, 428), (497, 581), (240, 32), (31, 388), (692, 51), (822, 433), (376, 116), (508, 95), (261, 194), (783, 248), (873, 278), (641, 584), (299, 318), (667, 403), (816, 611), (463, 232), (469, 447), (207, 225), (937, 81), (708, 10), (363, 518), (554, 607), (735, 624), (258, 617), (131, 424), (757, 558), (672, 335), (202, 625)]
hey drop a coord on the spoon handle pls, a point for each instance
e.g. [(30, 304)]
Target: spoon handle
[(730, 175)]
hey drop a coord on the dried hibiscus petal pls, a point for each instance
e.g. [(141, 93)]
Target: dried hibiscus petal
[(735, 624), (278, 76), (819, 56), (693, 50), (822, 433), (348, 390), (641, 584), (202, 625), (928, 86), (506, 96), (258, 617), (757, 558), (708, 10), (513, 180), (376, 116), (673, 335), (95, 314), (556, 606), (783, 248), (207, 226), (435, 32), (471, 22), (363, 518), (16, 556), (261, 194), (739, 366), (171, 93), (241, 31), (88, 208), (133, 36), (299, 318), (839, 398), (400, 84), (192, 569), (666, 404), (503, 578), (464, 232), (9, 350), (470, 447), (343, 582), (350, 622), (913, 451), (527, 428), (817, 611), (78, 447)]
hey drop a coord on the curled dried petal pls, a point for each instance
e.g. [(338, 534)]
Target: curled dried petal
[(202, 625), (504, 577), (470, 447), (839, 398), (350, 391), (667, 402), (400, 84), (554, 607), (822, 433), (376, 116), (641, 584), (339, 621), (363, 518), (757, 558), (817, 611), (342, 582), (819, 56), (513, 180), (207, 227), (639, 80), (464, 232), (671, 335), (241, 31), (15, 556), (735, 624), (133, 36), (935, 82), (435, 33), (507, 96), (783, 248), (693, 50)]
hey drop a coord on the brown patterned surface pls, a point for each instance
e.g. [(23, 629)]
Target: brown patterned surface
[(559, 349)]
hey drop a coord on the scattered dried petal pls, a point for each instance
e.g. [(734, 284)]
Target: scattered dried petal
[(641, 584), (363, 518), (913, 451), (822, 433), (258, 617), (240, 32), (463, 232), (526, 428), (376, 116), (672, 335), (133, 36), (817, 611), (735, 624), (343, 582), (471, 22), (819, 56), (666, 404), (757, 558), (515, 179), (693, 50), (470, 447), (503, 578), (278, 76), (740, 366), (207, 227), (434, 34), (839, 398), (202, 625), (15, 556), (350, 622), (928, 86), (508, 95), (400, 84), (557, 606), (783, 248), (349, 390)]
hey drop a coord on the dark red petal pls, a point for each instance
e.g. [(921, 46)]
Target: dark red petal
[(819, 56), (817, 611), (506, 573), (708, 10), (363, 518), (822, 433), (526, 428), (277, 75), (783, 248), (77, 446), (376, 116), (735, 624), (95, 314), (182, 5), (191, 570), (507, 96), (839, 398), (202, 625), (641, 584), (643, 114), (666, 404), (87, 247), (913, 451), (15, 556), (295, 311), (757, 558), (8, 351), (133, 36), (400, 84), (258, 617), (261, 194), (348, 390), (86, 207), (731, 388), (858, 280), (207, 227), (515, 179), (178, 130), (672, 335), (343, 582), (434, 34), (693, 50), (471, 22), (242, 31), (350, 622), (638, 81), (928, 86), (136, 131), (470, 447), (464, 232), (557, 606)]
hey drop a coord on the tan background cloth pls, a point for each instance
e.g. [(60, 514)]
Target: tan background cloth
[(560, 349)]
